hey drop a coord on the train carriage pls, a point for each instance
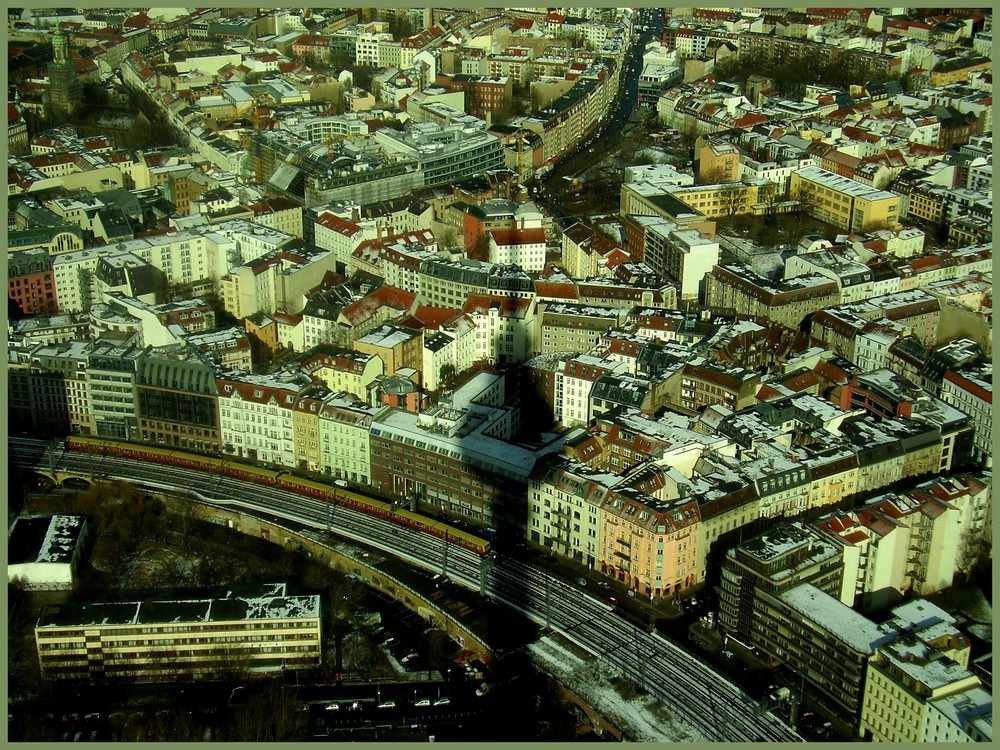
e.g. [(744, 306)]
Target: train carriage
[(295, 483), (307, 486), (363, 503), (193, 460), (251, 472), (88, 443)]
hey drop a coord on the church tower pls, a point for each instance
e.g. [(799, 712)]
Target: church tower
[(65, 89)]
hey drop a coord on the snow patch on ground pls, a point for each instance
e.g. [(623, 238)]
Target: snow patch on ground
[(642, 717), (983, 632), (976, 607), (654, 156)]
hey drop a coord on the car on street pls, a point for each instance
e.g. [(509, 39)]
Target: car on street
[(387, 704), (444, 700), (422, 702)]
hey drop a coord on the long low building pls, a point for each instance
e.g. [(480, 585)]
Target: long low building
[(251, 628)]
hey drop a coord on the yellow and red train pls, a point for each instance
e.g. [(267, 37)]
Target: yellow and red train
[(280, 478)]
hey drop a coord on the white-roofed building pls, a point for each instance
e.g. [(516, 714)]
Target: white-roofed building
[(910, 679), (45, 552), (252, 628)]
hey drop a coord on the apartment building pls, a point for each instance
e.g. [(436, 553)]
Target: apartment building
[(910, 542), (449, 283), (345, 440), (631, 284), (887, 396), (772, 563), (485, 95), (718, 161), (648, 544), (915, 310), (906, 677), (843, 202), (228, 348), (685, 256), (256, 416), (565, 501), (342, 370), (518, 247), (583, 249), (177, 402), (397, 346), (111, 381), (970, 390), (786, 302), (48, 389), (505, 327), (184, 258), (30, 283), (822, 640), (579, 375), (702, 382), (252, 628), (854, 280), (567, 327), (456, 458)]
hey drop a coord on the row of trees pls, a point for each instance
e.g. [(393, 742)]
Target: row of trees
[(790, 77)]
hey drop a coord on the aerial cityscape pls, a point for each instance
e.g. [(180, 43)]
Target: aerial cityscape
[(452, 375)]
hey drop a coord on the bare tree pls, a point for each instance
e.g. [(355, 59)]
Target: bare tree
[(974, 552), (270, 715), (808, 201), (733, 198), (399, 25), (361, 655), (447, 236), (481, 248), (534, 100), (714, 176), (174, 726), (233, 665), (768, 196)]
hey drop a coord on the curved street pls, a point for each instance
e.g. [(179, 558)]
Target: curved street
[(699, 696)]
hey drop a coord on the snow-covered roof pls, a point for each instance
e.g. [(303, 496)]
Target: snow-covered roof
[(44, 540), (263, 602), (836, 618)]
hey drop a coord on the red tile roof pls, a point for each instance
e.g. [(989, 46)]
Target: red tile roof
[(518, 236), (337, 224)]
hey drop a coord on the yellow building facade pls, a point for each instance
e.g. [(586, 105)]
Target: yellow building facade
[(843, 202)]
